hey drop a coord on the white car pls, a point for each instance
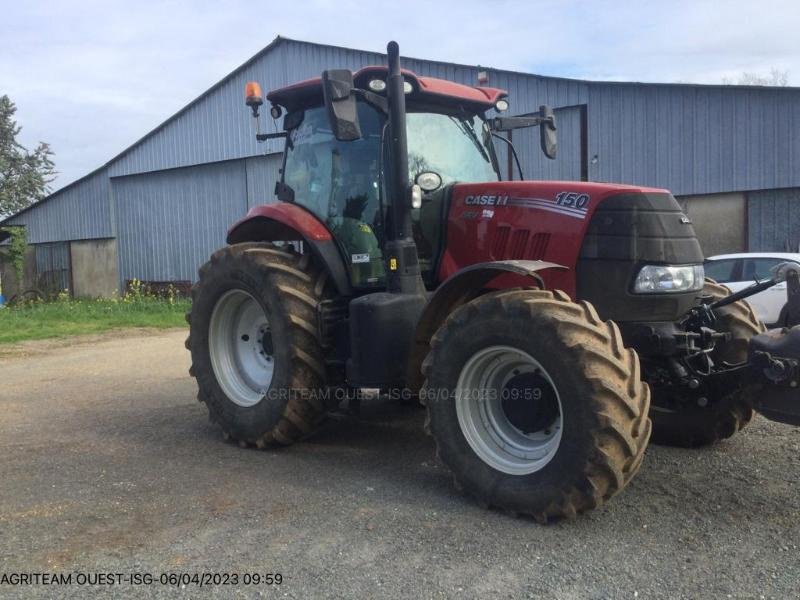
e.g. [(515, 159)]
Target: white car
[(738, 271)]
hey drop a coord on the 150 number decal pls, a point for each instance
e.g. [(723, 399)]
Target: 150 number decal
[(573, 200)]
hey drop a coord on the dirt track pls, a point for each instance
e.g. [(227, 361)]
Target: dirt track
[(109, 464)]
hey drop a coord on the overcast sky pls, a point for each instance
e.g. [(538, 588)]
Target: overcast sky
[(91, 77)]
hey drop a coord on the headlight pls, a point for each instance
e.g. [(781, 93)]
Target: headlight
[(658, 279)]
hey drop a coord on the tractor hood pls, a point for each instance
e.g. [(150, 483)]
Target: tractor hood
[(602, 232), (580, 196)]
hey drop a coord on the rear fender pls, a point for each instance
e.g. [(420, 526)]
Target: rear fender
[(284, 222), (460, 288)]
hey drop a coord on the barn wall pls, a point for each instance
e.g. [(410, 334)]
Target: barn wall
[(720, 222), (262, 173), (693, 139), (169, 222), (774, 220), (77, 212)]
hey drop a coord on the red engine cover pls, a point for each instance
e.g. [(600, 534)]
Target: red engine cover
[(524, 220)]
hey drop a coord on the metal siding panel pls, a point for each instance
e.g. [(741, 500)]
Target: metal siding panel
[(262, 173), (774, 220), (567, 165), (81, 211), (170, 222), (694, 140)]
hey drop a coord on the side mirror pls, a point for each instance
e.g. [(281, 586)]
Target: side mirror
[(547, 131), (337, 90)]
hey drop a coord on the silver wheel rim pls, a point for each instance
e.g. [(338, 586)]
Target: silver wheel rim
[(239, 338), (482, 385)]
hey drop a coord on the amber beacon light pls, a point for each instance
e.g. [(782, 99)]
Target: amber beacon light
[(252, 96)]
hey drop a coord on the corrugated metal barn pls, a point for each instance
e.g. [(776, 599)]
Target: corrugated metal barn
[(157, 210)]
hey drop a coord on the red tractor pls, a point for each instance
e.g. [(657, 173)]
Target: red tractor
[(548, 326)]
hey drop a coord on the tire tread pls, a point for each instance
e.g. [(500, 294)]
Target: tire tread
[(620, 397)]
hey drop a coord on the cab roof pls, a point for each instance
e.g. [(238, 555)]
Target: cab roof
[(426, 89)]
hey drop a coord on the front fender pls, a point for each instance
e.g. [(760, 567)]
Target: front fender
[(283, 221), (458, 289)]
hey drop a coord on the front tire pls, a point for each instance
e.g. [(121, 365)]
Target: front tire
[(579, 434), (687, 425), (256, 351)]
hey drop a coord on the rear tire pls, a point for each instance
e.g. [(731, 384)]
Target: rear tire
[(256, 351), (581, 379), (687, 425)]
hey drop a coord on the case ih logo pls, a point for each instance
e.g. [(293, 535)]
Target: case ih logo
[(570, 204), (486, 200)]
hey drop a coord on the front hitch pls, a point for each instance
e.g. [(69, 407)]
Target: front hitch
[(792, 297), (773, 361), (775, 357)]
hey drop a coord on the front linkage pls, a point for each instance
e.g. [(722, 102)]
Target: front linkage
[(773, 358)]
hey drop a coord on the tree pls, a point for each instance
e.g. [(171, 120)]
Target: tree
[(25, 176), (775, 78)]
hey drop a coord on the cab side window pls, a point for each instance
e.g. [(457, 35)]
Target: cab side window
[(339, 182)]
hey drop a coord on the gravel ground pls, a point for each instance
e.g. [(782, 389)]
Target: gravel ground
[(110, 465)]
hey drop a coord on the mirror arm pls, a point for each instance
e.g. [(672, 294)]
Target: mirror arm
[(373, 99), (263, 137), (509, 123)]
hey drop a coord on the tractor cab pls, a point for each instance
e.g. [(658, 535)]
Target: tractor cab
[(346, 183)]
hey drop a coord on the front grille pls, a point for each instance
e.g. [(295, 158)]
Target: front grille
[(539, 245), (500, 242), (518, 242)]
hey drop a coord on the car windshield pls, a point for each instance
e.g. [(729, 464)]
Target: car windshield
[(457, 148)]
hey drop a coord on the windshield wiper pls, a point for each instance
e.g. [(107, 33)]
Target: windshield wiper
[(470, 133)]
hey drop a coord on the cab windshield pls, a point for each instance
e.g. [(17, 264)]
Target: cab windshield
[(457, 148)]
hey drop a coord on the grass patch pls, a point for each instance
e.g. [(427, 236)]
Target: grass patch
[(65, 316)]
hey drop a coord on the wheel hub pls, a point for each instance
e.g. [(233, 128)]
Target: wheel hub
[(266, 341), (509, 410), (529, 402), (240, 346)]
